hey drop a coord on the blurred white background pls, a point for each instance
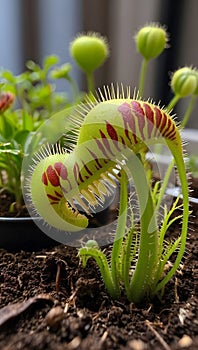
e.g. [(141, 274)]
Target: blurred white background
[(31, 29)]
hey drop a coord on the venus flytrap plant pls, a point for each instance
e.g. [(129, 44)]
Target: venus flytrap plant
[(113, 133)]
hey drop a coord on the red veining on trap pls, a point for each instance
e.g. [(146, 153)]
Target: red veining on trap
[(102, 148), (129, 122), (139, 115), (150, 117), (150, 120), (61, 170), (50, 196), (44, 179), (106, 142), (95, 158), (113, 134), (52, 176)]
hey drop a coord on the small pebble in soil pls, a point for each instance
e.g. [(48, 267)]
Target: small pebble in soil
[(137, 344), (54, 316), (185, 341)]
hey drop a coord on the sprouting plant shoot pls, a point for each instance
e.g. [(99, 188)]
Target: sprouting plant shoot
[(114, 131), (111, 135)]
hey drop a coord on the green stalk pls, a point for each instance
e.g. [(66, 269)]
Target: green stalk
[(148, 246), (165, 183), (143, 70), (173, 102), (120, 229), (188, 111), (74, 88), (90, 82), (128, 255)]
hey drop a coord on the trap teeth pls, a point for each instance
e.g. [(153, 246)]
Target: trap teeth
[(80, 201), (89, 197), (72, 204), (107, 177), (102, 188), (94, 190)]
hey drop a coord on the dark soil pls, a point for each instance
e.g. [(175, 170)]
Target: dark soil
[(8, 207), (48, 301)]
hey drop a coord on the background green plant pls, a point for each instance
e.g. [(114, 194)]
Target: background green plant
[(36, 100)]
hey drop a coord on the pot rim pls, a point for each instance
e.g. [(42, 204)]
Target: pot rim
[(20, 218)]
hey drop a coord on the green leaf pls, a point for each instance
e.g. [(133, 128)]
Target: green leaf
[(5, 163), (50, 61), (27, 142), (28, 123), (6, 127), (34, 76), (21, 137), (31, 65), (21, 78), (2, 139), (6, 74)]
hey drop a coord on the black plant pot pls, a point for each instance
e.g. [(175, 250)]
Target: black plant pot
[(23, 234)]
